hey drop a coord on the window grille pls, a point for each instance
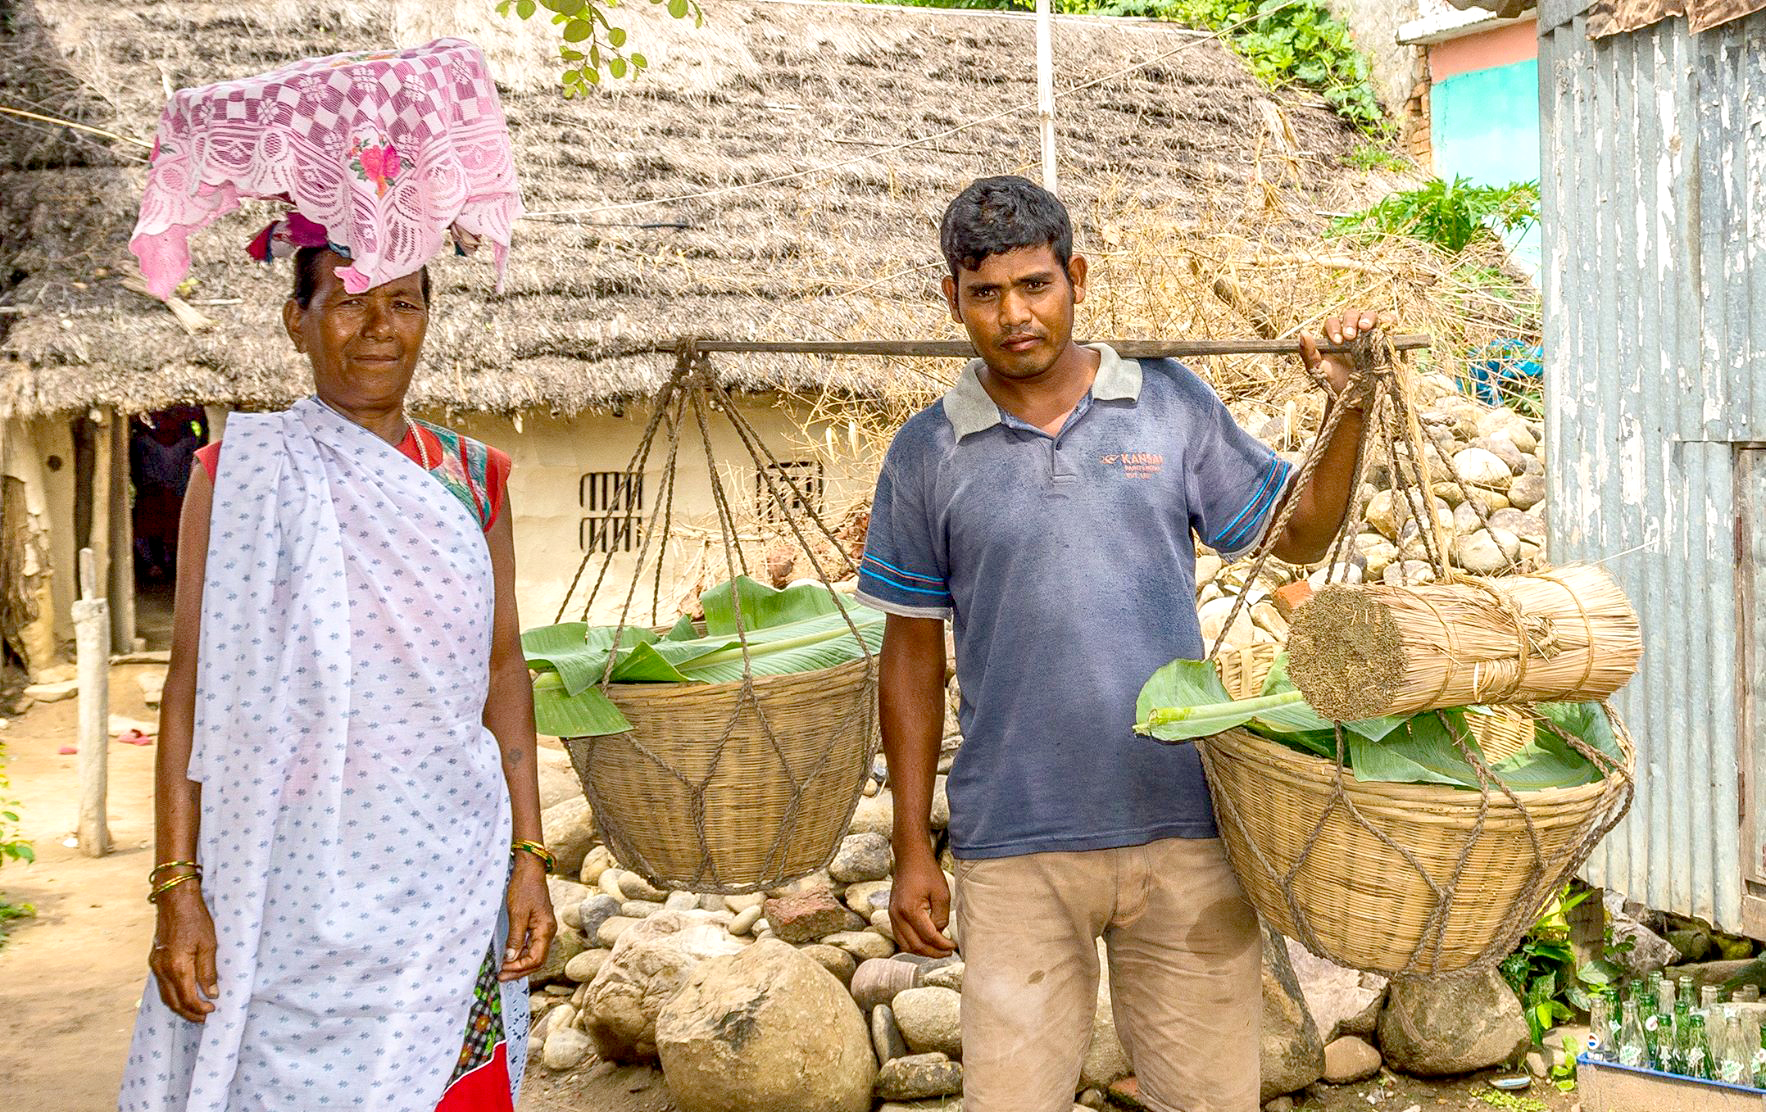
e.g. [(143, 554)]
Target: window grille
[(798, 482), (613, 511)]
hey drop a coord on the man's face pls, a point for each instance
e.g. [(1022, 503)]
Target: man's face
[(1018, 308), (363, 346)]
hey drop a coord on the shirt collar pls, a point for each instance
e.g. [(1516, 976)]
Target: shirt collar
[(970, 410)]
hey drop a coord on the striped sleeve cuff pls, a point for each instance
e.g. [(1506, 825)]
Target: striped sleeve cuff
[(1244, 531), (894, 590)]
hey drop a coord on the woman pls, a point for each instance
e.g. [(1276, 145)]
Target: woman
[(351, 879)]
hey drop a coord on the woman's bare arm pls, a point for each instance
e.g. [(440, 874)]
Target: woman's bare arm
[(508, 715), (183, 957)]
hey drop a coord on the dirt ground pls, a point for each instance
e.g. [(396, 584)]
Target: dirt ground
[(70, 977)]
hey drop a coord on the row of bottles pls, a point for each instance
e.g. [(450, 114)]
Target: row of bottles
[(1658, 1026)]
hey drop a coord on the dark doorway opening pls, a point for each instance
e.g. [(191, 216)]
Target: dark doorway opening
[(162, 447)]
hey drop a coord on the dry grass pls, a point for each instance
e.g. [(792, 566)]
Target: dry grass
[(1361, 652)]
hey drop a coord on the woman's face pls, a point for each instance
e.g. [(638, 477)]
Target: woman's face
[(363, 346)]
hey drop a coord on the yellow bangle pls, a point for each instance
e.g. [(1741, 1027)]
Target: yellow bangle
[(153, 873), (522, 845), (153, 896)]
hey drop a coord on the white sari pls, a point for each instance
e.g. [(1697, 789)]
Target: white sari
[(355, 819)]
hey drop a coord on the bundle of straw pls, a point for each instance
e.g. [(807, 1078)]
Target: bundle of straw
[(1360, 652)]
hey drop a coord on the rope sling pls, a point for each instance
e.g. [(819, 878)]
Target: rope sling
[(1400, 879), (736, 787)]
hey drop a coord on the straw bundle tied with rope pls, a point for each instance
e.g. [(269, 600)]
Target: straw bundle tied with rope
[(1563, 635)]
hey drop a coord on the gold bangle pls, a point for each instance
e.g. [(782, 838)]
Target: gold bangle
[(153, 896), (522, 845), (153, 873)]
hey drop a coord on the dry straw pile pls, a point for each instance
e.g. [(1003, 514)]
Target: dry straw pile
[(1362, 652)]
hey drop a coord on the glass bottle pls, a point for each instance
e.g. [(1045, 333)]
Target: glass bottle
[(1600, 1046), (1708, 995), (1653, 986), (1683, 990), (1669, 1031), (1748, 994), (1759, 1063), (1634, 1048), (1695, 1048), (1729, 1047)]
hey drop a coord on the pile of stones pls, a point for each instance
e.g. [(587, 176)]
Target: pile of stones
[(798, 999)]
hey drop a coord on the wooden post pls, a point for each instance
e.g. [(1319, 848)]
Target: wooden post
[(121, 592), (92, 641), (1045, 90)]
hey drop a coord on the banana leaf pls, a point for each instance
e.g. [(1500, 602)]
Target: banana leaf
[(585, 714), (762, 606), (576, 651), (1422, 752), (1185, 699)]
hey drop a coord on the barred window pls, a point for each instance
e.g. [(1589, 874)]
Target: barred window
[(613, 511), (797, 482)]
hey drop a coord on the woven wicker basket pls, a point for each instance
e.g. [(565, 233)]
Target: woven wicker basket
[(711, 792), (1355, 897)]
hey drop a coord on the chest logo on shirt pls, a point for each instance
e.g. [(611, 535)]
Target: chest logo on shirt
[(1135, 465)]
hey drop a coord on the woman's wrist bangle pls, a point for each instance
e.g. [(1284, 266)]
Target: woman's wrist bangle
[(522, 845), (153, 873), (154, 895)]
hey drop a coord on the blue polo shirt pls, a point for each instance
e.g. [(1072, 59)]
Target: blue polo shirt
[(1067, 565)]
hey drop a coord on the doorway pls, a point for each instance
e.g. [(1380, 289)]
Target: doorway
[(162, 447)]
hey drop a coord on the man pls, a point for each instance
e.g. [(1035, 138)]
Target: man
[(1047, 507)]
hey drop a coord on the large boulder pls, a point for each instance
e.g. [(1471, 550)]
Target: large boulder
[(930, 1020), (765, 1030), (1341, 1001), (650, 961), (1292, 1052), (1451, 1025), (570, 833)]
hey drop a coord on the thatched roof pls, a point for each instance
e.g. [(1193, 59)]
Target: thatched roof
[(764, 88)]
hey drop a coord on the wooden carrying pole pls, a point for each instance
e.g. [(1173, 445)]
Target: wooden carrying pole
[(92, 642), (1567, 635), (961, 349)]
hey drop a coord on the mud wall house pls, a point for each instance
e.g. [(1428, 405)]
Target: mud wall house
[(1653, 142), (688, 203)]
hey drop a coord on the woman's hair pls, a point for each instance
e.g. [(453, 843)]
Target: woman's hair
[(997, 215), (306, 276)]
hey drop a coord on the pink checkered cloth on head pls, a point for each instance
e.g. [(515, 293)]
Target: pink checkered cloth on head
[(387, 151)]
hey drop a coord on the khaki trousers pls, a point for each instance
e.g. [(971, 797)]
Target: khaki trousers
[(1184, 955)]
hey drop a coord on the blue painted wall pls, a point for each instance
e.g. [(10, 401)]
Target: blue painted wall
[(1485, 125)]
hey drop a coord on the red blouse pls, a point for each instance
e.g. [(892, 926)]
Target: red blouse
[(496, 474)]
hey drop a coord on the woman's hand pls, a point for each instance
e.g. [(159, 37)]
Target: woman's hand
[(183, 955), (531, 925)]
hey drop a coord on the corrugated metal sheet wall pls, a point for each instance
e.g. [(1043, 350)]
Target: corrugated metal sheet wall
[(1654, 213)]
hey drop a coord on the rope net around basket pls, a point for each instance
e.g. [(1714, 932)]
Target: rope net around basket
[(774, 751), (1380, 384)]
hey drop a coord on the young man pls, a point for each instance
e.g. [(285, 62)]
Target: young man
[(1047, 507)]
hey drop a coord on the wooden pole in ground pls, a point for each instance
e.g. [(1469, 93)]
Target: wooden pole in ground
[(92, 641), (1045, 90)]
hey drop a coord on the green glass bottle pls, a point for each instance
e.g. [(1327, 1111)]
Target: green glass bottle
[(1657, 1043), (1758, 1066), (1681, 1062), (1695, 1049)]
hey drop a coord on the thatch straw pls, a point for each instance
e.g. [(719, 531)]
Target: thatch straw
[(763, 89), (1563, 635)]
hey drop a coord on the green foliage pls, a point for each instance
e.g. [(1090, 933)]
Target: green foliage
[(1373, 155), (1283, 42), (591, 45), (12, 848), (1510, 1102), (1449, 214), (1185, 700), (1552, 985), (799, 629)]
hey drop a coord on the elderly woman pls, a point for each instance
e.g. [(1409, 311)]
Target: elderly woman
[(351, 879)]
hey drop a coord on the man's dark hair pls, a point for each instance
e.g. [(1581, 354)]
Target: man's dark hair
[(997, 215), (306, 277)]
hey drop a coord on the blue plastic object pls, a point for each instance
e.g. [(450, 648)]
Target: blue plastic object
[(1503, 369)]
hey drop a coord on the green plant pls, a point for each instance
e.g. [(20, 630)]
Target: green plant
[(1372, 155), (1448, 214), (1510, 1102), (12, 848), (1185, 700), (800, 629), (591, 43), (1544, 973)]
